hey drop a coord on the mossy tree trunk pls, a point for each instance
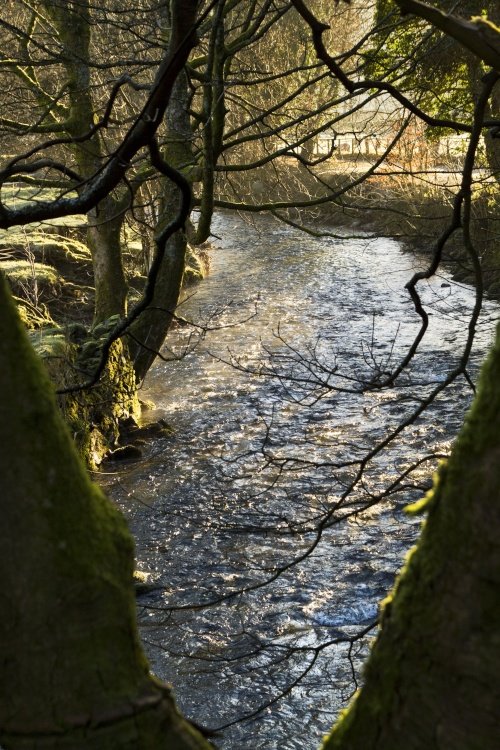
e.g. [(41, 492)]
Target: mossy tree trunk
[(73, 672), (432, 677)]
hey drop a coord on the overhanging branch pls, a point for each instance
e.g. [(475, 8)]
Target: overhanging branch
[(479, 36)]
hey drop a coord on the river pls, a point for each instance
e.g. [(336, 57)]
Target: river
[(256, 504)]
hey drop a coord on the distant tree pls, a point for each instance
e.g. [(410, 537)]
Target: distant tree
[(76, 79), (431, 62), (62, 57)]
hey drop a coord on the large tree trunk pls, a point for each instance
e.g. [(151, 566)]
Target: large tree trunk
[(432, 678), (74, 676)]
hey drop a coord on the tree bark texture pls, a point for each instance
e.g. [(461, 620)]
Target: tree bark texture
[(74, 676), (74, 29), (151, 328), (103, 238), (149, 331), (492, 136), (432, 677)]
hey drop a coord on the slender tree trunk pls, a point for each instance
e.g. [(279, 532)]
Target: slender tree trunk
[(214, 113), (74, 28), (150, 330), (103, 237), (432, 677), (74, 676)]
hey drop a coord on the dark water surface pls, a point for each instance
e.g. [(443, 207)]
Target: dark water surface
[(261, 482)]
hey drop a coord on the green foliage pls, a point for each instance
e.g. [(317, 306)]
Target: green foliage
[(426, 503), (196, 267), (93, 415), (22, 272), (431, 66)]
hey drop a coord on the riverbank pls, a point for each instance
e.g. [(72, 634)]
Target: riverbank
[(415, 207), (49, 269), (411, 205)]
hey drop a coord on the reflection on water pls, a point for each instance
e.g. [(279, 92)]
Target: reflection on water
[(274, 457)]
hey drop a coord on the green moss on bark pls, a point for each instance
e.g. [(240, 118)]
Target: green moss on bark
[(73, 671), (93, 414), (432, 677)]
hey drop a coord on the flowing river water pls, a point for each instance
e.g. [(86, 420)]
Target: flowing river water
[(270, 524)]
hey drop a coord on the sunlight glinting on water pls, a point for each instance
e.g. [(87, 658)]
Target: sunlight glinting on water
[(270, 426)]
